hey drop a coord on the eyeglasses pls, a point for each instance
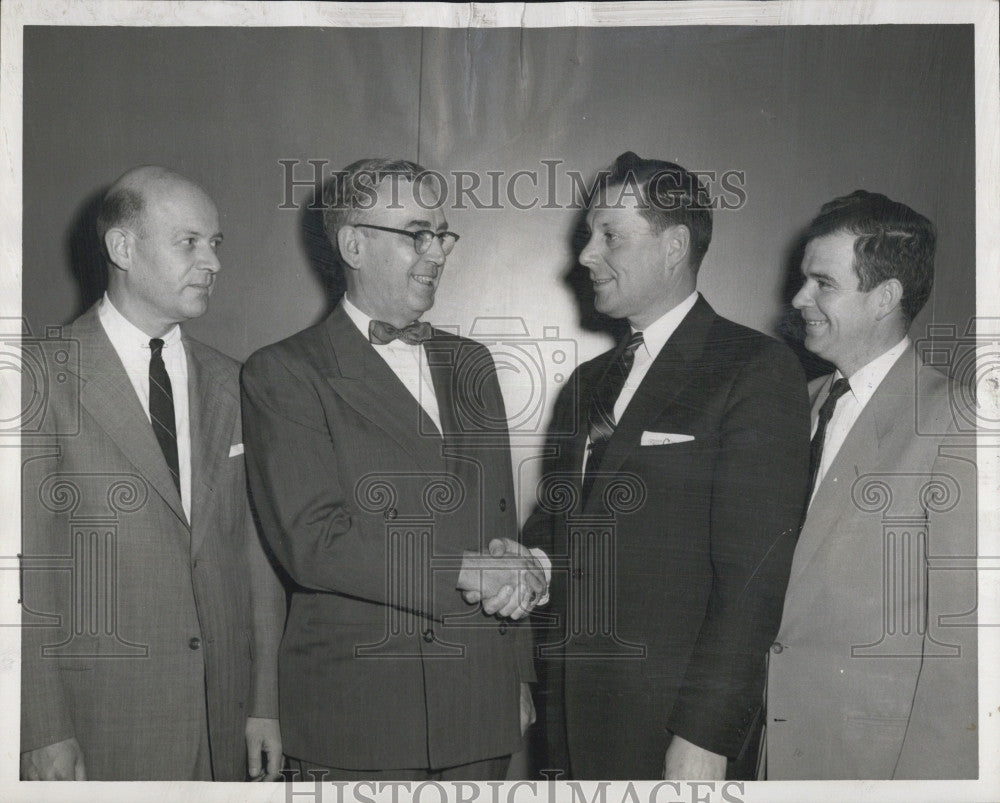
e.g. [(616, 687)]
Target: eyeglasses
[(421, 239)]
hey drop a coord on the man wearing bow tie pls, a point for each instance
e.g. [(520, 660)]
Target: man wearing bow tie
[(873, 672), (379, 463), (154, 658), (690, 457)]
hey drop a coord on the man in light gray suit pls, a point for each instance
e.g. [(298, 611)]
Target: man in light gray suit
[(873, 672), (154, 656)]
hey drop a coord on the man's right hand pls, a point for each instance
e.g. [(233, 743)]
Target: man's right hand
[(62, 761), (503, 577)]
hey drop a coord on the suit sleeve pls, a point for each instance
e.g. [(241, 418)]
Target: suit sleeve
[(538, 529), (300, 495), (267, 619), (941, 737), (45, 713), (757, 498)]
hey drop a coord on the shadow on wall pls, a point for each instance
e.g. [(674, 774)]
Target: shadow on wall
[(323, 262), (789, 324), (577, 278), (86, 254)]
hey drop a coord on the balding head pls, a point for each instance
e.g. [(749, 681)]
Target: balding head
[(161, 234), (125, 201)]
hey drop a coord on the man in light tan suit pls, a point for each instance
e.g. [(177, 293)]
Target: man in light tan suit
[(873, 672), (151, 615)]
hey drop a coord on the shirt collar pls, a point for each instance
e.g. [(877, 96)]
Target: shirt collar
[(656, 335), (125, 334), (865, 381)]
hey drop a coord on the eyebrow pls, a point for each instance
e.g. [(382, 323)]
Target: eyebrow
[(187, 232), (818, 274), (426, 224)]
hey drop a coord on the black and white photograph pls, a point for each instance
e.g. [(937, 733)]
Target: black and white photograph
[(500, 402)]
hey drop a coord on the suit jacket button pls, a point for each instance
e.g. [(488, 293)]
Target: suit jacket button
[(777, 647), (503, 628), (503, 505), (195, 643), (428, 635), (391, 513)]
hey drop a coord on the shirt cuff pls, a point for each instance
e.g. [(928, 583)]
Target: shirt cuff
[(542, 558)]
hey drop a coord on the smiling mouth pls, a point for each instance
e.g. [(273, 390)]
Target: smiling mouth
[(424, 280), (600, 282), (813, 323)]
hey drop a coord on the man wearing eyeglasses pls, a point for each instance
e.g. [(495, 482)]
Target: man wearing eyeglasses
[(379, 464)]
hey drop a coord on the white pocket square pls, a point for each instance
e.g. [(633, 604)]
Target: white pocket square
[(236, 449), (661, 438)]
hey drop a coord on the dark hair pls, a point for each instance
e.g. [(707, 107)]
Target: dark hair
[(352, 189), (669, 194), (891, 242)]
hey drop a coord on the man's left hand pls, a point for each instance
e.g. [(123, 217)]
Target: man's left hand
[(528, 716), (264, 737), (688, 762)]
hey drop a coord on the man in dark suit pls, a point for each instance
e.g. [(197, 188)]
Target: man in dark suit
[(671, 514), (151, 614), (379, 462), (873, 673)]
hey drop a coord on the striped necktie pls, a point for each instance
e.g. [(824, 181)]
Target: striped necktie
[(601, 421), (161, 409)]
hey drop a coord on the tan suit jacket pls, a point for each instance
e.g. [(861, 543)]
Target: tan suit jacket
[(140, 628), (873, 673)]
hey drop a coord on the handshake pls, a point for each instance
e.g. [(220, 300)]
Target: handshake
[(509, 580)]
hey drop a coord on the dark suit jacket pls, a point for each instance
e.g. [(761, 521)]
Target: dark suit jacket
[(383, 665), (137, 622), (874, 671), (674, 566)]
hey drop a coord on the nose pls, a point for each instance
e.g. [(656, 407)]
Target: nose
[(435, 254), (588, 256), (803, 298), (210, 260)]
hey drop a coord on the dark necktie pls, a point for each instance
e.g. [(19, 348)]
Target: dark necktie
[(601, 422), (380, 333), (161, 409), (840, 387)]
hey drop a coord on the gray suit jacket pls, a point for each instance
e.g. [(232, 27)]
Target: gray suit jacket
[(140, 627), (382, 664), (873, 674)]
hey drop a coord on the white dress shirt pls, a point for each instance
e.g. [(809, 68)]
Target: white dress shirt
[(407, 361), (654, 338), (864, 382), (132, 346)]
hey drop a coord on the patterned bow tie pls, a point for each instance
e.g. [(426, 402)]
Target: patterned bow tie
[(380, 333)]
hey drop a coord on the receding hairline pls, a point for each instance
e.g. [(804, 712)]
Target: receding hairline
[(142, 180)]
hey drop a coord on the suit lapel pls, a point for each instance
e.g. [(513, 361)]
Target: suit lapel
[(890, 406), (365, 382), (667, 376), (213, 418), (108, 396)]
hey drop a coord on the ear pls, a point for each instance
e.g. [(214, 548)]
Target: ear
[(349, 245), (676, 244), (121, 247), (887, 297)]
